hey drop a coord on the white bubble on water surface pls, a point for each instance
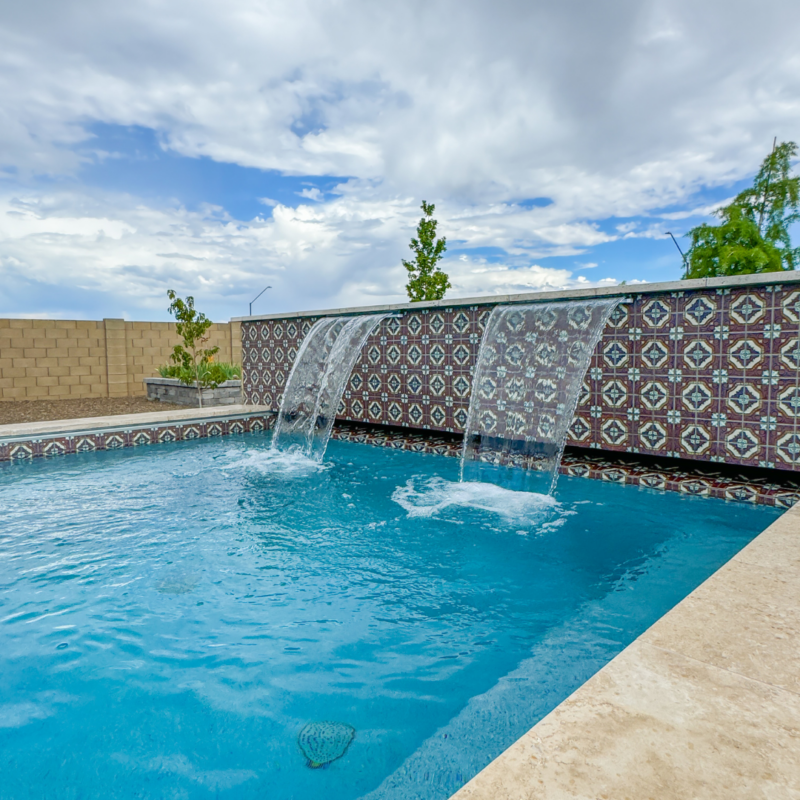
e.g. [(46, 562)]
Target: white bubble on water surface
[(280, 463), (426, 498), (556, 523)]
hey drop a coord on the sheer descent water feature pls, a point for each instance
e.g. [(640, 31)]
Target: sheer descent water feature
[(315, 385), (527, 380)]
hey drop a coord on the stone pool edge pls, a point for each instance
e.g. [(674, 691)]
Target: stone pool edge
[(25, 441), (705, 703)]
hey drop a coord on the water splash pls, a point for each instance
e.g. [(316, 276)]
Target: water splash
[(289, 463), (434, 495), (526, 384), (316, 383)]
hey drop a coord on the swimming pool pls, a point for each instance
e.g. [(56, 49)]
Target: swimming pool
[(173, 618)]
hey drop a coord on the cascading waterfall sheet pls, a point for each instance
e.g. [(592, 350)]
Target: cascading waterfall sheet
[(304, 383), (526, 384), (317, 380), (343, 356)]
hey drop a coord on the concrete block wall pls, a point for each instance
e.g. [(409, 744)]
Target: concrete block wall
[(150, 344), (52, 359)]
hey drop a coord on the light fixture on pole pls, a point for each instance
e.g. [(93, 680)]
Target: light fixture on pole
[(256, 298), (683, 255)]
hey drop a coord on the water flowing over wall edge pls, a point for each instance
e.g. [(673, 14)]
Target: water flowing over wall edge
[(526, 382), (316, 382), (708, 374)]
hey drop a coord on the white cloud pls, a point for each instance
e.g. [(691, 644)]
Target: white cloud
[(608, 109), (635, 97), (471, 278), (700, 211), (341, 253), (312, 194)]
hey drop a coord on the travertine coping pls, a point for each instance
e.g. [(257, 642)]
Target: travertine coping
[(705, 704), (29, 430), (623, 290)]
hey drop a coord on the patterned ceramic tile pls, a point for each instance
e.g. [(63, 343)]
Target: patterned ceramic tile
[(47, 446), (665, 475), (711, 375)]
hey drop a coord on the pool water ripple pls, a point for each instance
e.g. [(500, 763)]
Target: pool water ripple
[(172, 618)]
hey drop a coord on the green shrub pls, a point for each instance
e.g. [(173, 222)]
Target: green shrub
[(210, 374)]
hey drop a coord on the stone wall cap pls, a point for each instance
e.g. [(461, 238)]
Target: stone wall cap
[(74, 427), (620, 290)]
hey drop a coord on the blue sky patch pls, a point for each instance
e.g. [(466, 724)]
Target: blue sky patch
[(132, 159)]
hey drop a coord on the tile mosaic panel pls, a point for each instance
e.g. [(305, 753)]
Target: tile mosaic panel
[(620, 469), (711, 375)]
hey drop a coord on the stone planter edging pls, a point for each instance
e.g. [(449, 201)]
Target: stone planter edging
[(171, 390)]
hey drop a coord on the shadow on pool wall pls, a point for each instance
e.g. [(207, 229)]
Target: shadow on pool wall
[(700, 370)]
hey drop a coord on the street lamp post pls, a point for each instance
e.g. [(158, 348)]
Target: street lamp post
[(256, 298), (683, 255)]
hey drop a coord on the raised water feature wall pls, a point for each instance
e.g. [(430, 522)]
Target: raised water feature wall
[(705, 370)]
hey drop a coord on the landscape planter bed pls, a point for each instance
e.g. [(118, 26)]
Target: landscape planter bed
[(171, 390)]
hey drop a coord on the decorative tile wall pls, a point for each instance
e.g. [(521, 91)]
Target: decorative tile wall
[(711, 375), (702, 481)]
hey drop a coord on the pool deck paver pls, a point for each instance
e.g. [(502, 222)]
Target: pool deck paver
[(705, 704)]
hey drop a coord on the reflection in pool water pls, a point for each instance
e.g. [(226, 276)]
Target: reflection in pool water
[(174, 618)]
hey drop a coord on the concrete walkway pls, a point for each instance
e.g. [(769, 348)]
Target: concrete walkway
[(705, 704)]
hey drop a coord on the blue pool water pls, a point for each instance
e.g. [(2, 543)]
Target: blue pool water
[(172, 617)]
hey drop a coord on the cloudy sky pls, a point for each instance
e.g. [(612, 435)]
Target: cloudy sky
[(216, 148)]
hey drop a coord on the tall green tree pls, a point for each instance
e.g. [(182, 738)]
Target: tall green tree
[(754, 233), (426, 280)]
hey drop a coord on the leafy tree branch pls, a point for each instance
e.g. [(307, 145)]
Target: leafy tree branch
[(754, 233)]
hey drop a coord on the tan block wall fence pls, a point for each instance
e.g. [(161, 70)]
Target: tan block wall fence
[(50, 359)]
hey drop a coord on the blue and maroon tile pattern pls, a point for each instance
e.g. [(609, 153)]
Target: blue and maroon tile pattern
[(664, 474), (667, 475), (710, 375), (134, 436)]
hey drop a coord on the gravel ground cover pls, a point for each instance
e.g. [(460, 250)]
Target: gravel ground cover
[(17, 411)]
